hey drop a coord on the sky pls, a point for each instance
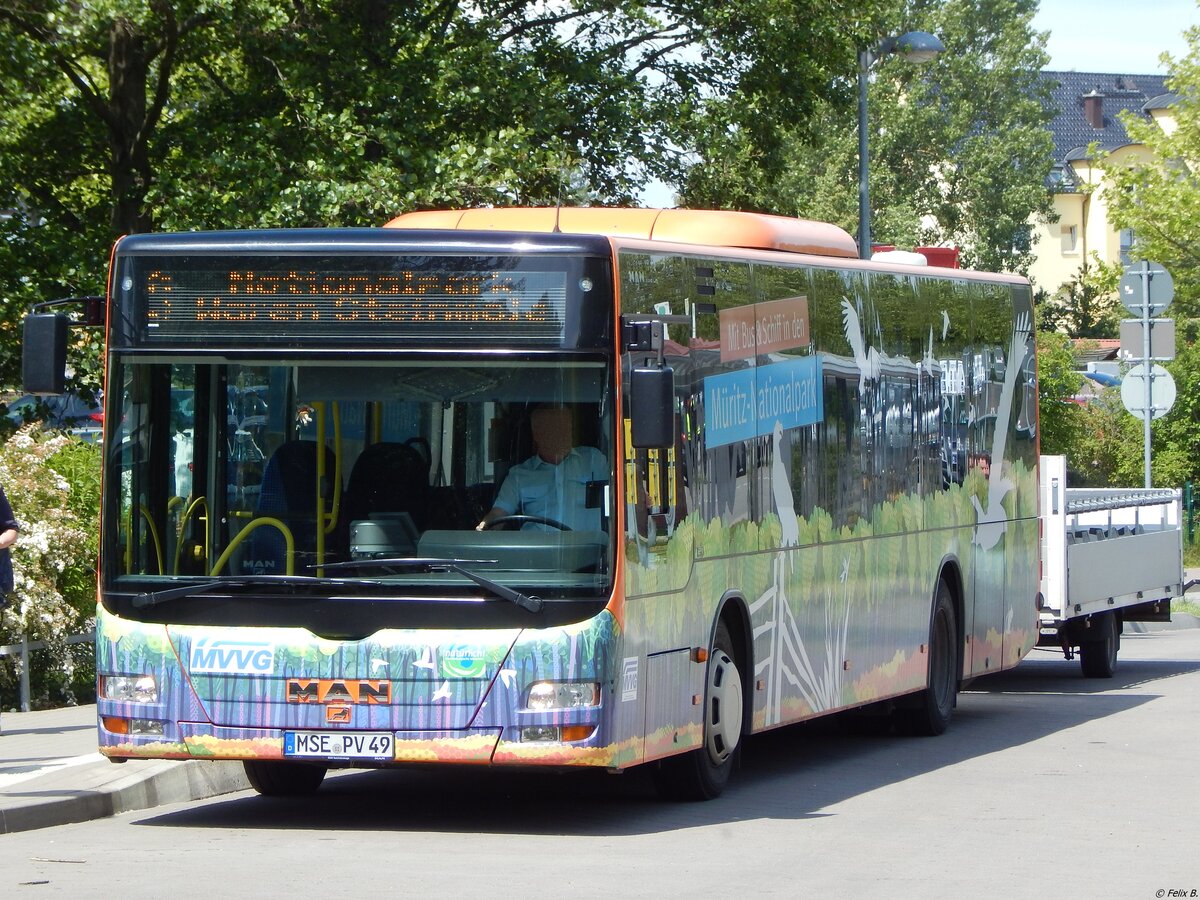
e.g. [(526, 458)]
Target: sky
[(1120, 36)]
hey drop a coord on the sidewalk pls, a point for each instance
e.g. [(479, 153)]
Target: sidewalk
[(51, 774)]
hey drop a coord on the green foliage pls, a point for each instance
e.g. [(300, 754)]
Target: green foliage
[(1087, 306), (124, 116), (54, 487), (1176, 436), (1058, 382), (958, 148), (1103, 442), (1108, 449), (1160, 198)]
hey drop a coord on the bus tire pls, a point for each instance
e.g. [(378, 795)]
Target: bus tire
[(932, 708), (1098, 657), (283, 779), (703, 773)]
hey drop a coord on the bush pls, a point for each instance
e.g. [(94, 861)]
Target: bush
[(53, 483)]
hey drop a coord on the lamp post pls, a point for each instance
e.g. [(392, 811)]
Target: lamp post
[(916, 47)]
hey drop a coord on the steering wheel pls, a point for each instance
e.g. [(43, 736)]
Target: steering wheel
[(523, 520)]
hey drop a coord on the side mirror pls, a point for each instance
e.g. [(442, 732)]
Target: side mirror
[(652, 407), (44, 353)]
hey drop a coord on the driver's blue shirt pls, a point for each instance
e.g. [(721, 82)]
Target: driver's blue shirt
[(555, 491)]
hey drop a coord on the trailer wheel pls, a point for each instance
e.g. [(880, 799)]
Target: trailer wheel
[(1098, 657), (283, 779), (703, 773), (935, 705)]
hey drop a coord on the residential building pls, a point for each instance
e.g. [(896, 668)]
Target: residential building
[(1088, 104)]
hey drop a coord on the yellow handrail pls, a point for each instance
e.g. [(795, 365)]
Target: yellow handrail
[(327, 522), (187, 514), (289, 543), (154, 535)]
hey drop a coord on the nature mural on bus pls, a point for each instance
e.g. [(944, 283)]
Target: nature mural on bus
[(833, 594), (448, 696)]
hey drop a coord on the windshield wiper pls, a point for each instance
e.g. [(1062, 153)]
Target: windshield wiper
[(144, 600), (532, 604)]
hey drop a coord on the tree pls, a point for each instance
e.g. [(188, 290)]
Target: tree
[(958, 148), (1176, 438), (1058, 382), (1106, 446), (1107, 450), (1159, 197), (122, 115), (1087, 305)]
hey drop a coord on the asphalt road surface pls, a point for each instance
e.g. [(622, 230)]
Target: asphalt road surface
[(1047, 785)]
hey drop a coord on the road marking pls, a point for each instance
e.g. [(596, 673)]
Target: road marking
[(7, 780)]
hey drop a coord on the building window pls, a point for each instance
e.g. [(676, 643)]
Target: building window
[(1128, 239), (1070, 238)]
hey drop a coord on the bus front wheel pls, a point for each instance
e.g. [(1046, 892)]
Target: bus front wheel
[(703, 773), (283, 779)]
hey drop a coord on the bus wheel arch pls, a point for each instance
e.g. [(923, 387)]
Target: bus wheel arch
[(950, 574), (703, 773), (734, 614)]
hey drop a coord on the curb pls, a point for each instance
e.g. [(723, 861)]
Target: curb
[(1178, 620), (102, 789)]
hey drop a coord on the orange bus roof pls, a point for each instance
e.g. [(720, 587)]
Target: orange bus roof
[(710, 227)]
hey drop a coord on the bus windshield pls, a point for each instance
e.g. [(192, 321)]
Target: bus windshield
[(297, 466)]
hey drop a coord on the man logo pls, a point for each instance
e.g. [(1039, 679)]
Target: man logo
[(337, 715), (338, 690)]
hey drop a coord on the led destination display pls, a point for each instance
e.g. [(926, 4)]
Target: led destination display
[(371, 297)]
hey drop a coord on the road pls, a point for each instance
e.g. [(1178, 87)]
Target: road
[(1047, 785)]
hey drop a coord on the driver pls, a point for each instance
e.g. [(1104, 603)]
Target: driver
[(553, 482)]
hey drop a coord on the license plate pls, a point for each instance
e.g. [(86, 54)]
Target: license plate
[(343, 745)]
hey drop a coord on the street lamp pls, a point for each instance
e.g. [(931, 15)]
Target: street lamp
[(916, 47)]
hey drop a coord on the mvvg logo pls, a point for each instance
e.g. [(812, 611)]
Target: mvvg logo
[(232, 657)]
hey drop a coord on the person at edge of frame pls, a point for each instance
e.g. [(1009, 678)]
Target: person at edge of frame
[(8, 536)]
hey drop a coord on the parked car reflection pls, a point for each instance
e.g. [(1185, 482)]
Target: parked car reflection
[(57, 412)]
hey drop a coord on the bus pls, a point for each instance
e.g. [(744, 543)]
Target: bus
[(307, 431)]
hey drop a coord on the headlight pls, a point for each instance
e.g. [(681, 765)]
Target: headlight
[(129, 688), (547, 695)]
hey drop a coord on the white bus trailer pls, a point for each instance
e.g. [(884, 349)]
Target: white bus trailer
[(1109, 556)]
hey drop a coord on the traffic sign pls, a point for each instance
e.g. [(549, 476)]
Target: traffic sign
[(1162, 391), (1133, 339), (1146, 283)]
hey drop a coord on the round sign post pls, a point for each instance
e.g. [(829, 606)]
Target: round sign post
[(1146, 290), (1162, 391)]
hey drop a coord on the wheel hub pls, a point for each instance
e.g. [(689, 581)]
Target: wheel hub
[(724, 725)]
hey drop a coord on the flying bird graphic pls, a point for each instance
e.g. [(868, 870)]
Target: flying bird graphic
[(991, 523), (866, 359), (781, 491)]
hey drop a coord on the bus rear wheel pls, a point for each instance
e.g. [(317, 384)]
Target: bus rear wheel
[(932, 708), (703, 773), (283, 779)]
